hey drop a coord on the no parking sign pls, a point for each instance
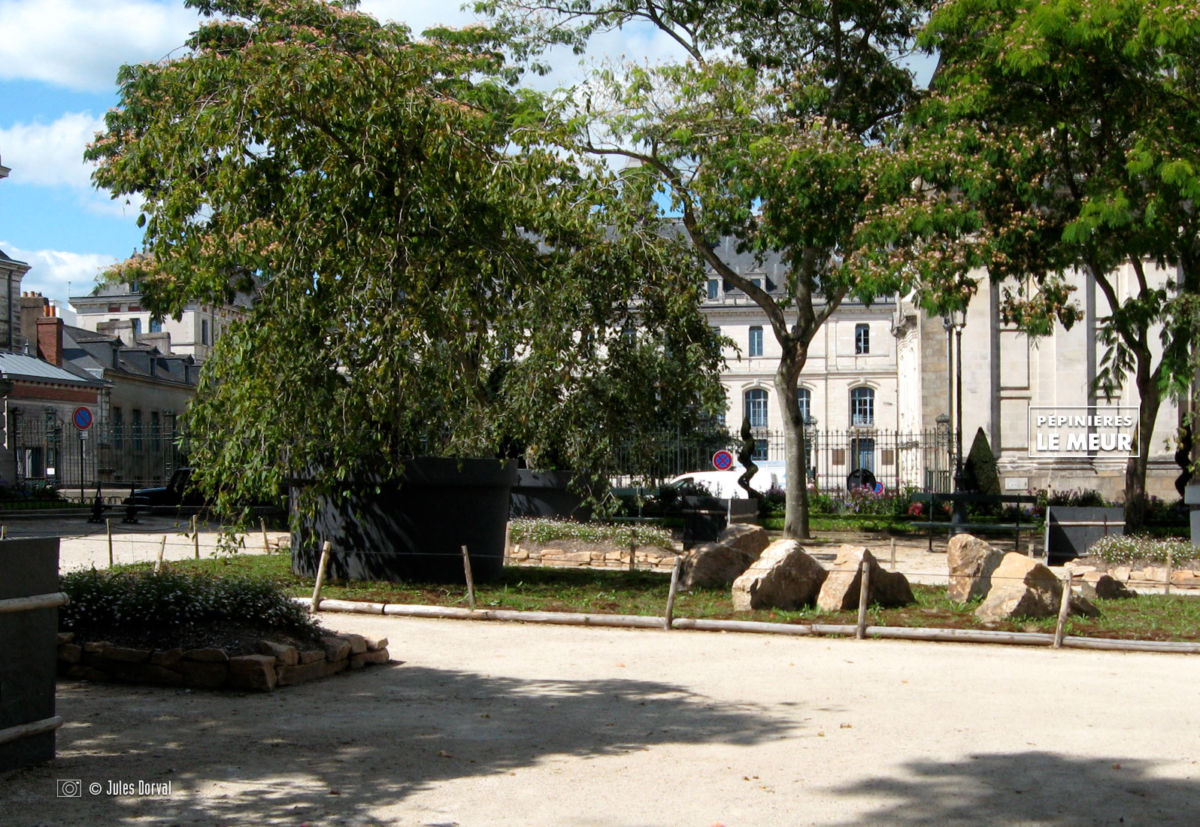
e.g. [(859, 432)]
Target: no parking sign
[(722, 460), (82, 418)]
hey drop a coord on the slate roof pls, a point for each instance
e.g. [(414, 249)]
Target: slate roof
[(20, 366)]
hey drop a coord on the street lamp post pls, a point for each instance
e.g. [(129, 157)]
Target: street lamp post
[(959, 319), (810, 423)]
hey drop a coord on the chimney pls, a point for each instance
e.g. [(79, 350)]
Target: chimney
[(33, 307), (50, 337)]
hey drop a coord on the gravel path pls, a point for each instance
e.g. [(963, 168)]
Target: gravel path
[(506, 724)]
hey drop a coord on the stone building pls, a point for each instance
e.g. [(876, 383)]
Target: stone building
[(116, 310), (880, 388)]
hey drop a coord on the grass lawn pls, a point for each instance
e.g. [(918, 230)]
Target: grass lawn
[(1146, 617)]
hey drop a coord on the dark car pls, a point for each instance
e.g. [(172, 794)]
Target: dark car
[(178, 491)]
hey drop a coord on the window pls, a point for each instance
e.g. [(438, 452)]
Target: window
[(862, 339), (804, 400), (756, 341), (862, 454), (714, 290), (756, 407), (118, 426), (760, 451), (862, 407), (155, 427), (136, 428), (136, 324), (156, 325), (204, 331)]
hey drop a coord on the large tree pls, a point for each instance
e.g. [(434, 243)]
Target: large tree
[(428, 276), (1065, 134), (771, 128)]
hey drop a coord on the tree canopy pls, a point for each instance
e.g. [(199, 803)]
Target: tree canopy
[(430, 274), (772, 128), (1064, 134)]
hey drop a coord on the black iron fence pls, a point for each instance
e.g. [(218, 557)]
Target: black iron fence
[(51, 452), (922, 460)]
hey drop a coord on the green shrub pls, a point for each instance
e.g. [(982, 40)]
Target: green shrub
[(175, 602), (979, 471), (1140, 549), (546, 531)]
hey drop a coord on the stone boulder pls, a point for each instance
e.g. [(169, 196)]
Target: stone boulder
[(1023, 587), (717, 564), (971, 562), (841, 588), (783, 577), (1104, 586)]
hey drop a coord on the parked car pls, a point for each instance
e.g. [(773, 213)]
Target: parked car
[(724, 484), (177, 491)]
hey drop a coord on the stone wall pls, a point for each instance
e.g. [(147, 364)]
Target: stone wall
[(274, 664), (571, 553)]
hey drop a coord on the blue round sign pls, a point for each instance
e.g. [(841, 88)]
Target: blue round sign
[(82, 418), (722, 460), (878, 488)]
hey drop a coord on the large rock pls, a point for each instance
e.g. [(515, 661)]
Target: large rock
[(1104, 586), (844, 583), (1023, 587), (750, 539), (717, 564), (783, 577), (971, 562)]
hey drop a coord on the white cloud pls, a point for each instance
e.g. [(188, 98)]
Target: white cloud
[(80, 44), (419, 15), (51, 155), (59, 274)]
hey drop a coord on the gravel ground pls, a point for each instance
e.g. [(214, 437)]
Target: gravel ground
[(508, 724)]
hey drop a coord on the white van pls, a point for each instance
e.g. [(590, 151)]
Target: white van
[(724, 484)]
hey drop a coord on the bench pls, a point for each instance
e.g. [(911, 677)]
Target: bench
[(958, 520)]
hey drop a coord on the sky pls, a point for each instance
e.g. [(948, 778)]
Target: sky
[(58, 67)]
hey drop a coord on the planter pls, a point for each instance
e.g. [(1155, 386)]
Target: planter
[(414, 530), (547, 494), (29, 600)]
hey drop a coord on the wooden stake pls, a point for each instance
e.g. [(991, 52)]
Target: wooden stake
[(1064, 609), (266, 545), (108, 530), (893, 566), (507, 541), (195, 537), (669, 619), (864, 593), (161, 548), (632, 554), (1167, 585), (3, 532), (321, 567), (470, 579)]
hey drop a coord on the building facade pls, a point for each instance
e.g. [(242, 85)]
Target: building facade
[(882, 393), (116, 310)]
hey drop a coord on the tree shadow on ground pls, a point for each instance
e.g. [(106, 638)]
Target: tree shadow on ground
[(343, 747), (1028, 788)]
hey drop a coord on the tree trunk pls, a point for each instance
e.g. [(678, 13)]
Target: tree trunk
[(1135, 467), (795, 516)]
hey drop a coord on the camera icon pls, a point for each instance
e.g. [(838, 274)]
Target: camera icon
[(70, 788)]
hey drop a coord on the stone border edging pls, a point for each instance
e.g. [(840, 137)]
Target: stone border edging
[(212, 668), (1045, 639)]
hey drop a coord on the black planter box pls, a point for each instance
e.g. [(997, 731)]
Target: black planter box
[(413, 531), (29, 655)]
